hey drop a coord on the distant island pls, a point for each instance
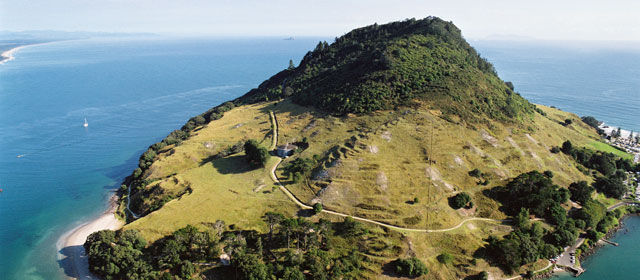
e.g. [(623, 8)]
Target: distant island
[(396, 150)]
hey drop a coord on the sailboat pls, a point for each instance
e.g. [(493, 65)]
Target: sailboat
[(85, 122)]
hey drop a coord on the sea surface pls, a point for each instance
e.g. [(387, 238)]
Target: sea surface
[(133, 92), (599, 79), (614, 262)]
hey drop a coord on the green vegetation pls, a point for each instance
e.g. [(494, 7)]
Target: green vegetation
[(580, 192), (381, 67), (256, 155), (445, 258), (324, 250), (611, 166), (410, 84), (533, 191), (317, 208), (410, 267), (460, 200)]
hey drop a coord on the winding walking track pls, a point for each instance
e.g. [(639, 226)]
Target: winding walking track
[(292, 197)]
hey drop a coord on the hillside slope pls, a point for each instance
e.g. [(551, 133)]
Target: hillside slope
[(389, 121)]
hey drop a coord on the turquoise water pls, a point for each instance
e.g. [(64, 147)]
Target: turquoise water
[(589, 79), (611, 262), (133, 93)]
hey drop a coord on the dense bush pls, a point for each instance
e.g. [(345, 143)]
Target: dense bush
[(445, 258), (580, 192), (256, 155), (324, 250), (411, 267), (459, 200), (533, 191), (382, 67)]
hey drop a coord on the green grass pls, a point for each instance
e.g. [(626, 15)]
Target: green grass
[(377, 164), (601, 146)]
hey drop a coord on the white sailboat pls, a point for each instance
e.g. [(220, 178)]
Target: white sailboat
[(85, 122)]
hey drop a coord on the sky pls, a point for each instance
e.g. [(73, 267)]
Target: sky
[(478, 19)]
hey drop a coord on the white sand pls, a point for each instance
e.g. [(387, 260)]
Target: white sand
[(623, 133), (72, 243), (8, 55)]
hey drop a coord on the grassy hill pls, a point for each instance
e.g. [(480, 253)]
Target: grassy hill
[(390, 120)]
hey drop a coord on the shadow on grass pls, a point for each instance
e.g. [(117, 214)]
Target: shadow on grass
[(235, 164)]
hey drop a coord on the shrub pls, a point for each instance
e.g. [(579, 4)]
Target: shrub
[(317, 208), (459, 200), (475, 173), (411, 267), (445, 258), (555, 149), (256, 155)]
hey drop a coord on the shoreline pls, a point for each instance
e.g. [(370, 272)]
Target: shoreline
[(8, 55), (623, 132), (71, 254)]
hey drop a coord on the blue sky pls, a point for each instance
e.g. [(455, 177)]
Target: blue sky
[(540, 19)]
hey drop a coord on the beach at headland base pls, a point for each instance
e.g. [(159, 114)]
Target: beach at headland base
[(71, 254)]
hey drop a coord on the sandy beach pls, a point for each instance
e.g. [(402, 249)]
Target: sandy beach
[(71, 253), (9, 54), (623, 132)]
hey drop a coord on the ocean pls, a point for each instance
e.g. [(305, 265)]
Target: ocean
[(586, 78), (133, 92)]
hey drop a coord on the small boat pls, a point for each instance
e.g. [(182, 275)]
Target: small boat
[(1, 190), (19, 156), (85, 123)]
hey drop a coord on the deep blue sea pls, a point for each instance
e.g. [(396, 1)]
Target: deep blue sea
[(134, 92)]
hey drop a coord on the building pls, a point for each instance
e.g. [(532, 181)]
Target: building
[(286, 150)]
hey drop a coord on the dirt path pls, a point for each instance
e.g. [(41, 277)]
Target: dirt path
[(295, 200)]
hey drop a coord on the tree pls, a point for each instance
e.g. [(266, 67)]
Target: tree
[(251, 267), (317, 208), (256, 155), (272, 219), (459, 200), (292, 273), (580, 192), (411, 267), (611, 187), (591, 121), (567, 147), (557, 215), (522, 219), (187, 269), (568, 122)]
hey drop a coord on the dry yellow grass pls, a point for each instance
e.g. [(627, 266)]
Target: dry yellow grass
[(372, 166)]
